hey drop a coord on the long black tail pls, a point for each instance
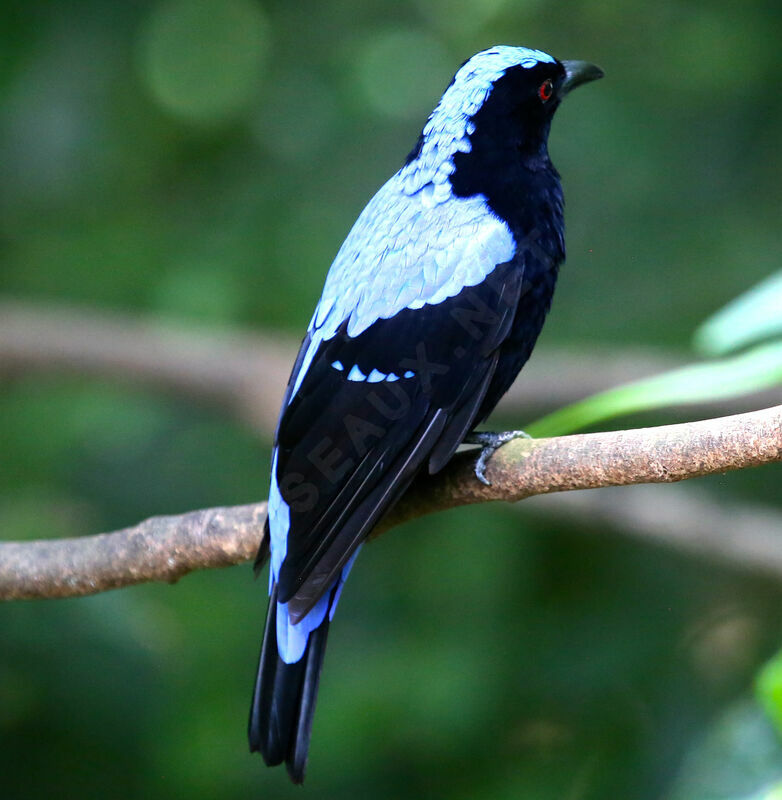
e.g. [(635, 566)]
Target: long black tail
[(284, 698)]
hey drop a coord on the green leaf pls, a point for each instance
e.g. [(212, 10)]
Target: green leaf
[(768, 690), (755, 370), (754, 315)]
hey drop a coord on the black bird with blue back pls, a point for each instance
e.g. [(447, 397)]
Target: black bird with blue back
[(430, 309)]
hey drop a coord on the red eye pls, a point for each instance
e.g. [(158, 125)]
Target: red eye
[(546, 90)]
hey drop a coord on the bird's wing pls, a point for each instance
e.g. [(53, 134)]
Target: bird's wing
[(397, 360)]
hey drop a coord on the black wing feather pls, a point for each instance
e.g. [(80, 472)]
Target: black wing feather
[(461, 423), (351, 448), (367, 512), (284, 698)]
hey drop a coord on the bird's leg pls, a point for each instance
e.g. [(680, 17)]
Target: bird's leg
[(490, 442)]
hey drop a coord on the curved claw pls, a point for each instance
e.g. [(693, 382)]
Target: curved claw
[(491, 442), (481, 464)]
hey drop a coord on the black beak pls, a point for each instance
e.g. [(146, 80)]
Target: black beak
[(578, 72)]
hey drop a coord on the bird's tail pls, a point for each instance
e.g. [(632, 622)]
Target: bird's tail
[(284, 698)]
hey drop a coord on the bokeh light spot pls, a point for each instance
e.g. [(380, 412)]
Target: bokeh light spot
[(403, 73), (202, 60)]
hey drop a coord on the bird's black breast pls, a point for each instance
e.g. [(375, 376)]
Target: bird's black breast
[(522, 187), (537, 291)]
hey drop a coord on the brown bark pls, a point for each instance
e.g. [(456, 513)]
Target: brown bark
[(165, 548)]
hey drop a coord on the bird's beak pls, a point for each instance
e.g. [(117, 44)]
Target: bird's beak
[(578, 72)]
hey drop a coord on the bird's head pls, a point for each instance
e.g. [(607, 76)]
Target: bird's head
[(499, 103)]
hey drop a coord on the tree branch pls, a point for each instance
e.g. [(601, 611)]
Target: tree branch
[(665, 454), (165, 548), (158, 549)]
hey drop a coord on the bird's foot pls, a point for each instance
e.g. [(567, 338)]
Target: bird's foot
[(490, 442)]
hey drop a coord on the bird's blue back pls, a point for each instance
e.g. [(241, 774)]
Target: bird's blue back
[(431, 307)]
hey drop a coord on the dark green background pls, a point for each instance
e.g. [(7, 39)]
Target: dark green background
[(202, 162)]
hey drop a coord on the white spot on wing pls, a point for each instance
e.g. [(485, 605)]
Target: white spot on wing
[(416, 243)]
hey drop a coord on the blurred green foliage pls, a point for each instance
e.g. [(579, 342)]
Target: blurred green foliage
[(769, 689), (755, 315), (203, 161), (752, 316)]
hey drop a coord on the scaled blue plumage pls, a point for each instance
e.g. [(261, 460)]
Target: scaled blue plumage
[(430, 308)]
